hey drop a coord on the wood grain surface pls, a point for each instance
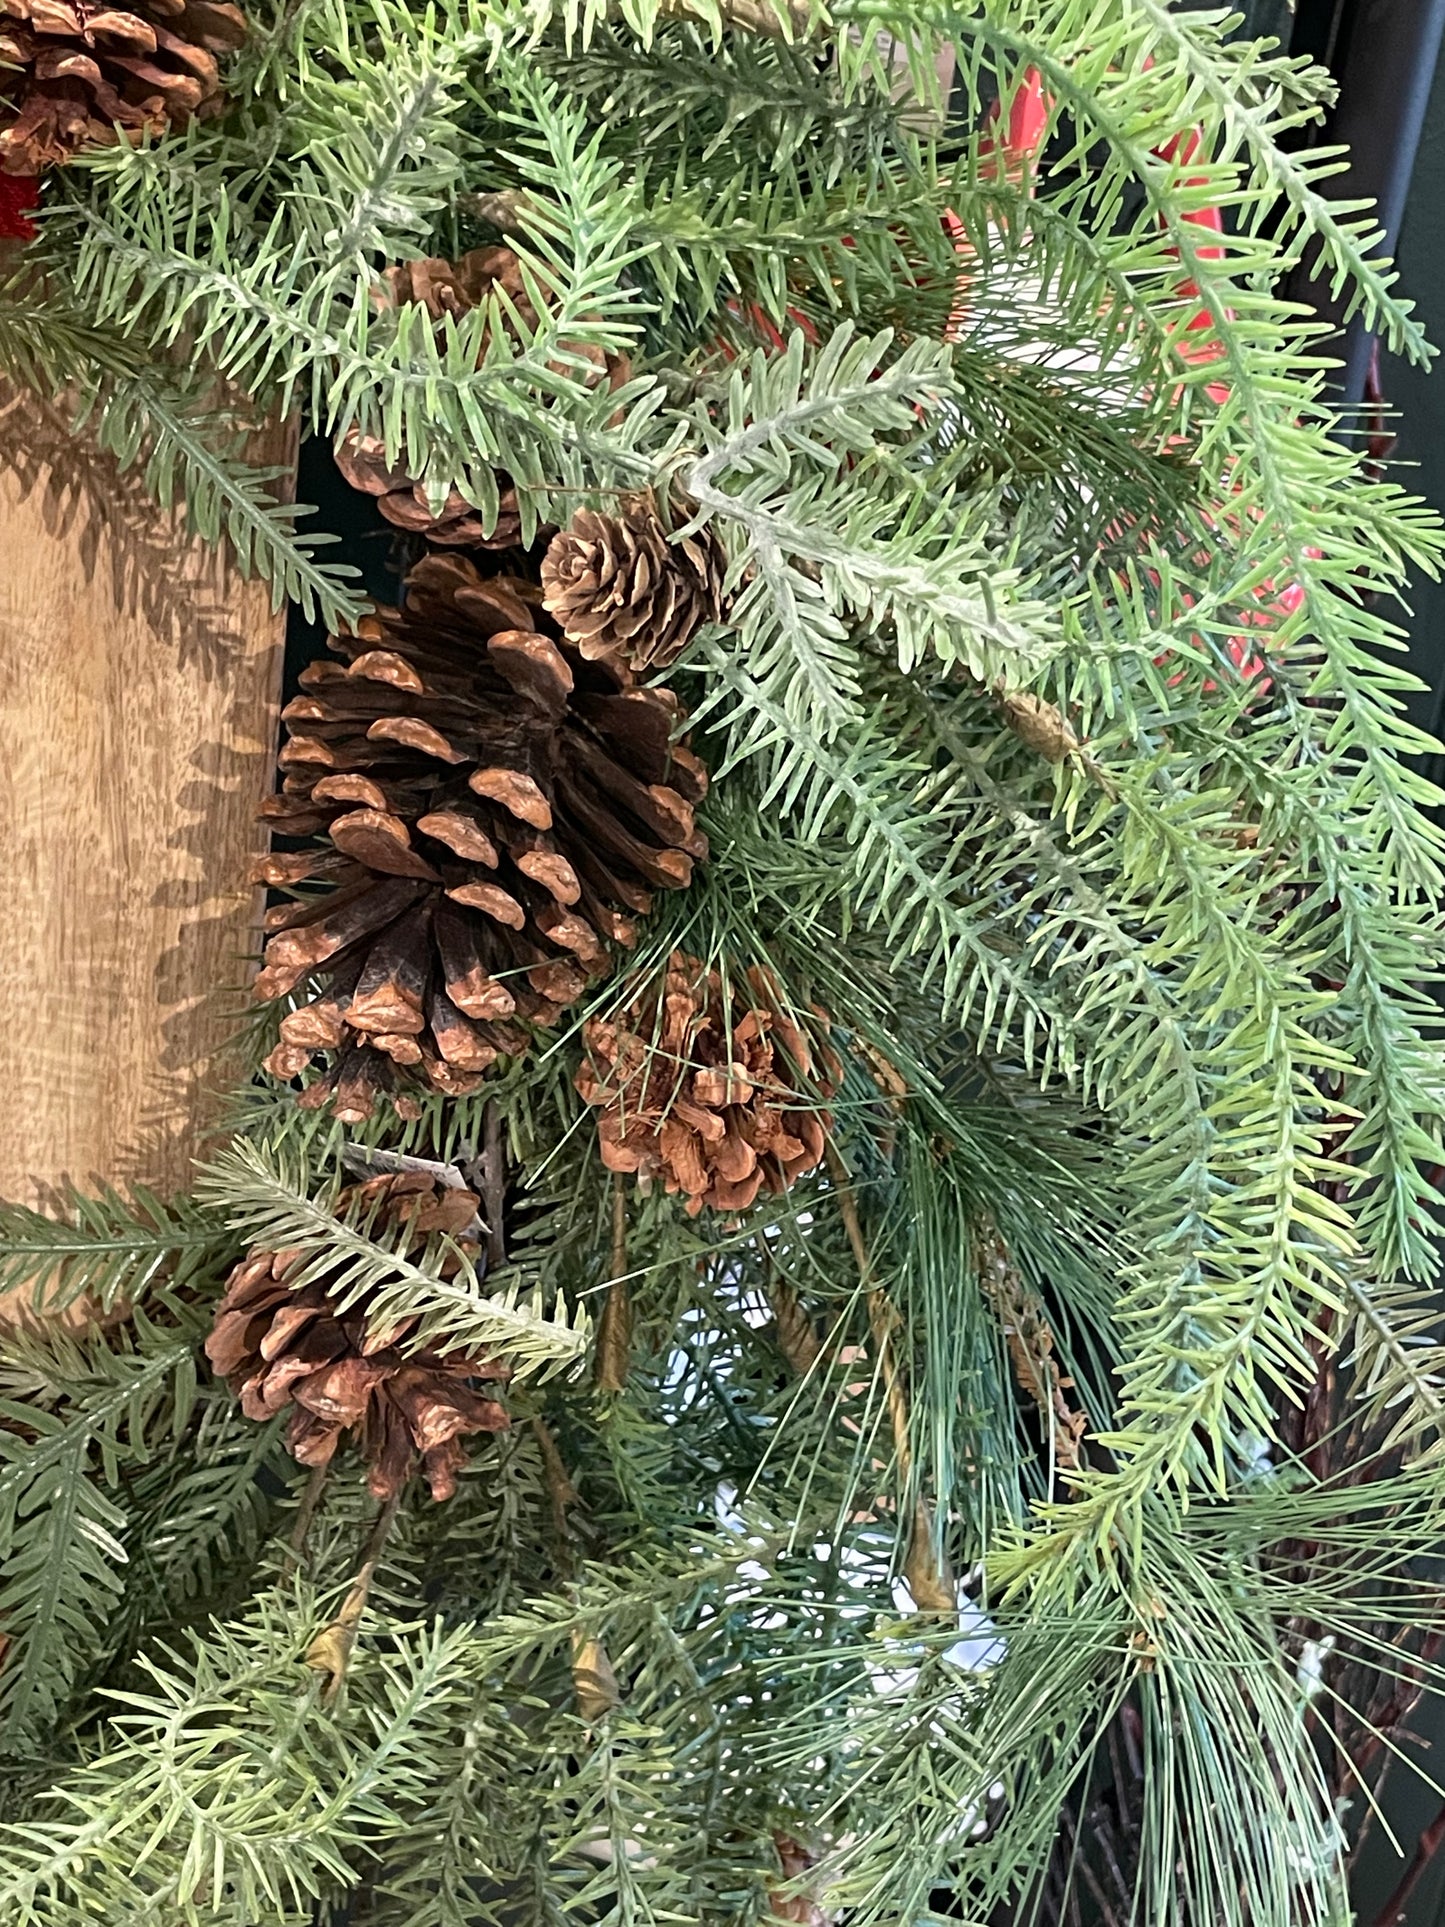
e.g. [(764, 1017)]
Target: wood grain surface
[(139, 683)]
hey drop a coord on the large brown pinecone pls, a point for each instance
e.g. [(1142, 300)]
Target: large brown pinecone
[(452, 288), (699, 1083), (71, 73), (619, 587), (277, 1347), (497, 810)]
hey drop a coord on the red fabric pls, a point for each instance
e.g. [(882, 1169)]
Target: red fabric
[(1023, 130), (17, 192)]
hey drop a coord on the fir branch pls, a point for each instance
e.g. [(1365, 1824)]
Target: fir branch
[(933, 583), (226, 1782), (199, 1516), (110, 1249), (94, 1409), (265, 1196), (156, 420)]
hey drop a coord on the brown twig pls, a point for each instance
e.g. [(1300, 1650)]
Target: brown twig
[(494, 1182), (594, 1683), (926, 1571), (1426, 1848), (330, 1651), (562, 1495), (613, 1355), (306, 1511)]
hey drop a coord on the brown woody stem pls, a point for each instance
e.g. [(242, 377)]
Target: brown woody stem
[(1393, 1911), (927, 1573), (494, 1182), (614, 1327), (306, 1510), (330, 1651), (561, 1493)]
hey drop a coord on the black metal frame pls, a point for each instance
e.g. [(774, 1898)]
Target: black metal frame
[(1383, 55)]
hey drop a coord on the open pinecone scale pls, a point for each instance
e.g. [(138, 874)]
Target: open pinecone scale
[(448, 290), (498, 810), (708, 1081)]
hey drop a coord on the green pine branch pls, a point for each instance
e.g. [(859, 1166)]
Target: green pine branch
[(265, 1195), (82, 1411), (110, 1249)]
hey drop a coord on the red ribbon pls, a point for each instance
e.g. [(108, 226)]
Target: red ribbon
[(17, 192)]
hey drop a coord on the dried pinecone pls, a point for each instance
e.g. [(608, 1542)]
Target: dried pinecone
[(277, 1347), (455, 524), (698, 1080), (71, 73), (452, 288), (796, 1903), (619, 587), (495, 807)]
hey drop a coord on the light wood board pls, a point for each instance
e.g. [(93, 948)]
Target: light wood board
[(139, 683)]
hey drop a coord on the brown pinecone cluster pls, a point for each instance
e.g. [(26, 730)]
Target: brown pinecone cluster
[(71, 73), (497, 810), (277, 1347), (453, 288), (701, 1082), (619, 587)]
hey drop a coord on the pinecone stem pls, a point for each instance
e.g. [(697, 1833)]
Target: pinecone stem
[(330, 1652), (561, 1495), (494, 1182), (614, 1327), (306, 1510), (926, 1570)]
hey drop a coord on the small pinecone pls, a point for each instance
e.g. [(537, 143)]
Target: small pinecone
[(277, 1347), (795, 1862), (497, 809), (698, 1082), (71, 73), (450, 288), (619, 587)]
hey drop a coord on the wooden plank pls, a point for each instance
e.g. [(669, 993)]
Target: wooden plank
[(139, 685)]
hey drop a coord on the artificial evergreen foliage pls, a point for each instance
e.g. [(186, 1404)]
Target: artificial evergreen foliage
[(1027, 1507)]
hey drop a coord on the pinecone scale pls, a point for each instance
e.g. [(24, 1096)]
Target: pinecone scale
[(447, 290), (710, 1084), (70, 73), (621, 587)]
